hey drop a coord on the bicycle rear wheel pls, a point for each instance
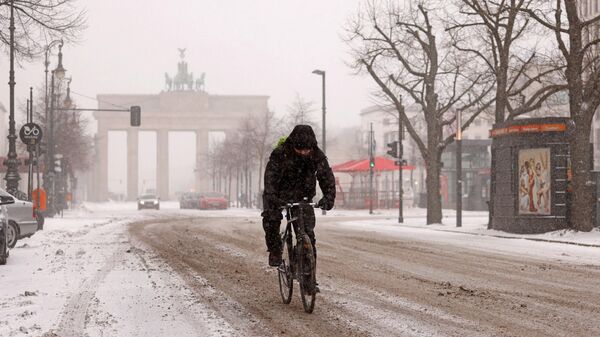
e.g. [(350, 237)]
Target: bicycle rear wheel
[(306, 275), (286, 279)]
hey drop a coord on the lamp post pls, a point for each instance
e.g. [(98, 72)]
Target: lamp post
[(12, 162), (49, 179), (324, 145), (458, 170), (401, 159), (46, 64)]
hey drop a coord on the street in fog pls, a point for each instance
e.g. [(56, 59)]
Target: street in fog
[(300, 168)]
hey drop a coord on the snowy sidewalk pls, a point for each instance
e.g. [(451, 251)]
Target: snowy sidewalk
[(82, 276), (474, 223)]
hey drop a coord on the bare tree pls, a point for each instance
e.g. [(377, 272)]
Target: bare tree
[(300, 111), (39, 21), (400, 49), (70, 133), (262, 136), (579, 49), (499, 34)]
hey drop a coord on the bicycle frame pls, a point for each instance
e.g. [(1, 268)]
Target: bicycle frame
[(293, 213), (300, 257)]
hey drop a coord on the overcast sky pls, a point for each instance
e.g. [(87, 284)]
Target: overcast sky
[(265, 47)]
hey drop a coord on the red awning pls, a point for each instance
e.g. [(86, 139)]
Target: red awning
[(344, 165), (381, 164)]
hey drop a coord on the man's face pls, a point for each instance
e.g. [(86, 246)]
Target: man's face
[(303, 152)]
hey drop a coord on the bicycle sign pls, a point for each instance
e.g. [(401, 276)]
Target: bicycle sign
[(31, 134)]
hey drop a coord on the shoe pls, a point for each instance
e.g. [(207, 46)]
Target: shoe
[(275, 259)]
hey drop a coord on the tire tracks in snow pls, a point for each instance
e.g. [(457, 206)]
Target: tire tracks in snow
[(73, 318)]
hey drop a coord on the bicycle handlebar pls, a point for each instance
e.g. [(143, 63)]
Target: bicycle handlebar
[(289, 205)]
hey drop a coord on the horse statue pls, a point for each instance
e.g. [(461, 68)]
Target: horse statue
[(190, 81), (168, 82), (200, 83)]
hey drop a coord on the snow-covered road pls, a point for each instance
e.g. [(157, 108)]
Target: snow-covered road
[(85, 275)]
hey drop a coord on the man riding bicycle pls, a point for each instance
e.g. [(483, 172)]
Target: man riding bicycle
[(290, 176)]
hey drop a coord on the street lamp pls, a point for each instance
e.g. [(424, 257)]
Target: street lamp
[(324, 145), (46, 64), (458, 169), (49, 180), (12, 162), (68, 102), (60, 71)]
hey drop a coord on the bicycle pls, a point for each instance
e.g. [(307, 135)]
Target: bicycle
[(300, 263)]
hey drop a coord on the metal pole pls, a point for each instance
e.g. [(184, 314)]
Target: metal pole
[(458, 170), (12, 162), (37, 168), (50, 152), (371, 170), (30, 148), (400, 178), (324, 212)]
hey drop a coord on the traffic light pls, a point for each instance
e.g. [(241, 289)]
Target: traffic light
[(372, 162), (393, 151), (57, 167), (136, 115)]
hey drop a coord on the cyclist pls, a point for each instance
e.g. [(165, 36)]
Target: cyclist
[(291, 174)]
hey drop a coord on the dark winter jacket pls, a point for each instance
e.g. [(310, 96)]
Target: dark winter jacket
[(290, 177)]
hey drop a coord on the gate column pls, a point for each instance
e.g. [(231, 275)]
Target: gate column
[(102, 183), (132, 164), (201, 170), (162, 164)]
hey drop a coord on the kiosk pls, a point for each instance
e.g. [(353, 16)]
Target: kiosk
[(529, 176)]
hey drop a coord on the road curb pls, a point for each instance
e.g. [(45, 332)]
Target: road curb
[(511, 237)]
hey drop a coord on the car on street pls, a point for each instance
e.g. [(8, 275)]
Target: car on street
[(189, 200), (22, 221), (148, 201), (213, 200)]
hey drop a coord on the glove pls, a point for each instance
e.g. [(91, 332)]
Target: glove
[(325, 204)]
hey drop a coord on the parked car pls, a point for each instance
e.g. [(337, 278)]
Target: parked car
[(22, 221), (4, 200), (189, 200), (213, 200), (148, 201)]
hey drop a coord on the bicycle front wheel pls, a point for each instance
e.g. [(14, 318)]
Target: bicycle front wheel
[(286, 279), (306, 275)]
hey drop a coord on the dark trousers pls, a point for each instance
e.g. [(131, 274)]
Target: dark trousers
[(272, 221)]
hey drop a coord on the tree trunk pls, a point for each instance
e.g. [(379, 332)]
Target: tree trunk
[(582, 208), (583, 202), (260, 173), (501, 84), (434, 198)]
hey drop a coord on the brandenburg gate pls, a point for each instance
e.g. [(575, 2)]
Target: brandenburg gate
[(183, 106)]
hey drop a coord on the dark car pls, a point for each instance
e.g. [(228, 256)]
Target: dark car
[(213, 200), (148, 201), (189, 200)]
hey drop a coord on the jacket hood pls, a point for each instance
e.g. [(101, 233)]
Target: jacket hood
[(302, 137)]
